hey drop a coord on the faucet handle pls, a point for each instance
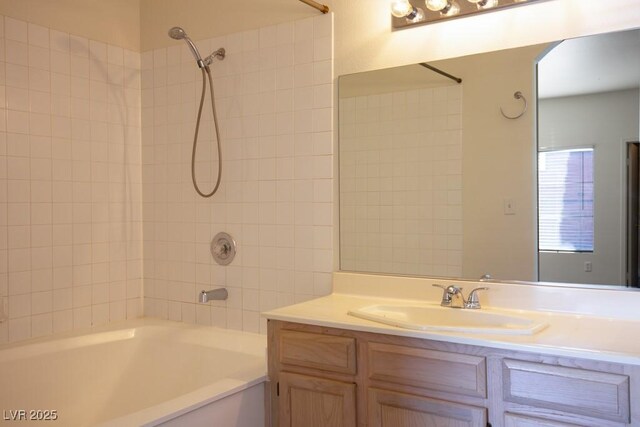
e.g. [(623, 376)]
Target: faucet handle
[(473, 301), (446, 295)]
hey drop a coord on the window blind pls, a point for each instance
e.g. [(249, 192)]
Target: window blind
[(565, 200)]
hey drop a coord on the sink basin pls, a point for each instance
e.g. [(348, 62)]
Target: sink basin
[(436, 318)]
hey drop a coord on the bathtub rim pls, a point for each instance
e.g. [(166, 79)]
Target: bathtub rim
[(184, 404), (121, 327)]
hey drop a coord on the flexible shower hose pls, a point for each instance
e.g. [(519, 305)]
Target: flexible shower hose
[(195, 136)]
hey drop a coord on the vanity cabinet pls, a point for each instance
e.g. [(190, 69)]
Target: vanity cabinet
[(333, 377)]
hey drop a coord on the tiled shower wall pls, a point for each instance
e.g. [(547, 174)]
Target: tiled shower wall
[(401, 182), (70, 183), (274, 101)]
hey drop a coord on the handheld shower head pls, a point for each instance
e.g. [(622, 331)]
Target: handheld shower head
[(178, 33)]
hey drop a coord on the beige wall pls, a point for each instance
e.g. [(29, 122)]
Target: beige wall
[(206, 18), (498, 163), (115, 22)]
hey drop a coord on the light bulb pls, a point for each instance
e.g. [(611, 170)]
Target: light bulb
[(401, 8), (436, 5)]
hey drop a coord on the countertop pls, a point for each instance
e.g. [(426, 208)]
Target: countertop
[(571, 335)]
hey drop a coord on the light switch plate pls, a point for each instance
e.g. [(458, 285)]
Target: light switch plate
[(509, 207)]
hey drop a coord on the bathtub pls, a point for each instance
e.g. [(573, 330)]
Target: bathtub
[(136, 373)]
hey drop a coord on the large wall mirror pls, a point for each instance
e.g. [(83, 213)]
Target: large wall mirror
[(457, 179)]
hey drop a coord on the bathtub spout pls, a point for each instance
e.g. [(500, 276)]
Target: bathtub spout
[(214, 294)]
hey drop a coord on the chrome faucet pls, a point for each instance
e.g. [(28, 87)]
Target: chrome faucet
[(214, 294), (453, 297)]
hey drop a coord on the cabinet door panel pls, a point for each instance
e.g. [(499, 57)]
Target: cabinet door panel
[(391, 409), (578, 391), (435, 370), (307, 401)]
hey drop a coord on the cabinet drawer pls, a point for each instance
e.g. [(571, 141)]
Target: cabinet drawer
[(430, 369), (579, 391), (325, 352)]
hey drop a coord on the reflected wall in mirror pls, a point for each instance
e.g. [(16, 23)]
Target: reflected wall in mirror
[(434, 181), (588, 119)]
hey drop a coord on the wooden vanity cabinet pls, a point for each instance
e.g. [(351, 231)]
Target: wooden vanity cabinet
[(323, 377)]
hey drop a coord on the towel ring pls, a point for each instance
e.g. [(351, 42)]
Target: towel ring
[(517, 95)]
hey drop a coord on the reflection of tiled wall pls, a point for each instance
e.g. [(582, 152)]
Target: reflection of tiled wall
[(70, 184), (274, 97), (401, 182)]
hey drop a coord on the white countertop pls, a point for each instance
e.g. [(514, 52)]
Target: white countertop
[(572, 335)]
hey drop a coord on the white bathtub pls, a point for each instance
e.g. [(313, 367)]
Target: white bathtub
[(143, 372)]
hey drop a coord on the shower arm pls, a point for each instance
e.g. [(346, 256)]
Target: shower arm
[(321, 7), (219, 54)]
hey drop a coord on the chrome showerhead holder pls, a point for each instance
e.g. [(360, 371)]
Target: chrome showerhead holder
[(218, 54)]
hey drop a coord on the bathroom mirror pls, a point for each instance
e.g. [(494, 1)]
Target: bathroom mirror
[(439, 178)]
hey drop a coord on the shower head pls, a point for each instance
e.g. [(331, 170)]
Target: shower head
[(178, 33)]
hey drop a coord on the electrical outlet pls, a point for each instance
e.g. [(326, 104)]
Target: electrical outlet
[(588, 267)]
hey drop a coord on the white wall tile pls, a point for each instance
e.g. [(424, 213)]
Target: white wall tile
[(15, 29), (255, 203), (38, 35), (16, 52), (58, 249)]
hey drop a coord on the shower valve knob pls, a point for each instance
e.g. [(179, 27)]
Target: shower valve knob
[(223, 248)]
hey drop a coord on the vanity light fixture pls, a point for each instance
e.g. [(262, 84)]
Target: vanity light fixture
[(406, 13)]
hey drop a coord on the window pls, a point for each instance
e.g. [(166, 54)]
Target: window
[(565, 200)]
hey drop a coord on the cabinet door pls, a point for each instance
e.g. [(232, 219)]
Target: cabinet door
[(307, 401), (391, 409)]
